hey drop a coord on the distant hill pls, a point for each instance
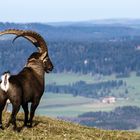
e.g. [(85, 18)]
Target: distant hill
[(108, 46), (45, 128), (80, 31), (116, 22)]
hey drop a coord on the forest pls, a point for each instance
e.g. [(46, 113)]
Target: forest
[(92, 49), (122, 118), (94, 90), (120, 57)]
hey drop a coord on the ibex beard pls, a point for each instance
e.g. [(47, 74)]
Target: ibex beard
[(28, 85)]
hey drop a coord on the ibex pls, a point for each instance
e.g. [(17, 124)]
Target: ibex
[(28, 85)]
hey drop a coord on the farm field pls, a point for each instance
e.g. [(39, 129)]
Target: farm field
[(67, 105), (55, 105)]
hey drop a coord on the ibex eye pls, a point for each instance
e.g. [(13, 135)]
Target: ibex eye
[(46, 59)]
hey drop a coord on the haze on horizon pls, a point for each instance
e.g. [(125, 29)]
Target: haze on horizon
[(73, 10)]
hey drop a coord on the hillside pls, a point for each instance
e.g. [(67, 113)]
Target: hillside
[(100, 48), (51, 129)]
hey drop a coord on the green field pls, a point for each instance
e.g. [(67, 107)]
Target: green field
[(67, 78), (67, 105), (62, 105)]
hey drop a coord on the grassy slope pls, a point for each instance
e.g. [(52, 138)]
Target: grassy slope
[(50, 129)]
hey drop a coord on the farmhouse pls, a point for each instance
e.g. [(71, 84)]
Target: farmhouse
[(109, 100)]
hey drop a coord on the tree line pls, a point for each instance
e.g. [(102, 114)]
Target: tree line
[(122, 118), (81, 88), (120, 56)]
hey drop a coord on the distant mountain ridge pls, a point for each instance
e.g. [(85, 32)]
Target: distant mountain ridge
[(77, 31), (119, 22)]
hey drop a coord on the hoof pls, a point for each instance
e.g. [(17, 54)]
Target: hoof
[(1, 127), (7, 125), (25, 125), (28, 125), (15, 129)]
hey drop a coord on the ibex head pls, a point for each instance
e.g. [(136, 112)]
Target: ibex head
[(41, 56)]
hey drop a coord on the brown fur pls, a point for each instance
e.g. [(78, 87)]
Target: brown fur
[(27, 86)]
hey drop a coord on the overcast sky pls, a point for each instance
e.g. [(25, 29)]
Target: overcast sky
[(67, 10)]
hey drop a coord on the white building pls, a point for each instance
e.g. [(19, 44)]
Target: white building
[(109, 100)]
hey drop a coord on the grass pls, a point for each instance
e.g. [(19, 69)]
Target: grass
[(67, 78), (66, 105), (62, 105), (133, 82), (51, 129)]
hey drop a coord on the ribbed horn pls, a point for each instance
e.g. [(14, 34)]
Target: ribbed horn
[(32, 36)]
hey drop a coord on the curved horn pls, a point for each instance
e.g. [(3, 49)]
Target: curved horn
[(33, 37)]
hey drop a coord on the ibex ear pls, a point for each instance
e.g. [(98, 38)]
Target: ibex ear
[(43, 55)]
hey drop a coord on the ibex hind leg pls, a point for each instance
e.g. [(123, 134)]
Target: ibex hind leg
[(26, 112), (32, 112), (13, 116), (1, 109)]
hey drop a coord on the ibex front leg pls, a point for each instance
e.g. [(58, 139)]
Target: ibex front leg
[(32, 112), (26, 112)]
